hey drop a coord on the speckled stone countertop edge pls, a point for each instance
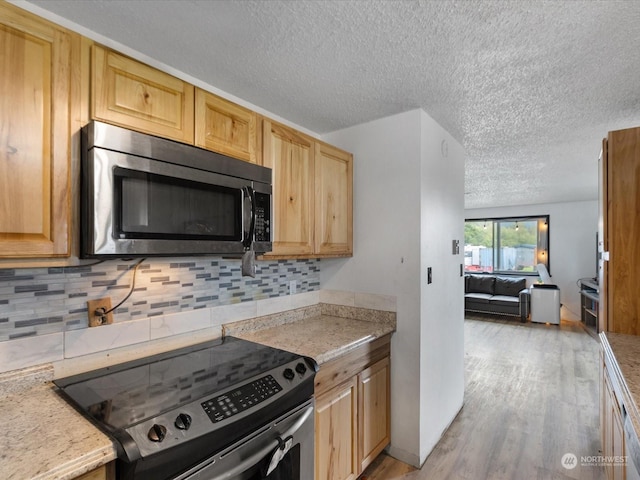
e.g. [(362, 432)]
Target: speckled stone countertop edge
[(336, 353), (616, 353), (621, 345), (86, 463), (321, 350), (382, 328), (38, 461), (268, 321), (18, 381), (295, 315)]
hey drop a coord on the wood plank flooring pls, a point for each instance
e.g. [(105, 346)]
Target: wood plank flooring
[(532, 395)]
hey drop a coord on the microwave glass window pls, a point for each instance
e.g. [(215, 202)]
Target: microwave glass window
[(156, 206)]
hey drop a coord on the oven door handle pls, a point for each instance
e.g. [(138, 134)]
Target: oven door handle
[(256, 457), (278, 454)]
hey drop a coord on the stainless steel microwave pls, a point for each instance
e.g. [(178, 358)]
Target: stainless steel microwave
[(147, 196)]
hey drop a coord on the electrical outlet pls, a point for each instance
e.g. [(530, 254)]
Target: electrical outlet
[(94, 306), (292, 287)]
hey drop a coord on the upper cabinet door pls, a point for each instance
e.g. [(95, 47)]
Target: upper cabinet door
[(622, 230), (290, 155), (334, 200), (131, 94), (37, 85), (225, 127)]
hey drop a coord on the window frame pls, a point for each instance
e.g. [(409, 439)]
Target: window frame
[(543, 247)]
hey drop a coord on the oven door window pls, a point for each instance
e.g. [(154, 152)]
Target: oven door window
[(148, 205)]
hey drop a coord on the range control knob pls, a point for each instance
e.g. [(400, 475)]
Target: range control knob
[(183, 421), (157, 433), (288, 374), (301, 369)]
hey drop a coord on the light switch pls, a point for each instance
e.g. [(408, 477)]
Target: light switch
[(455, 247), (429, 277)]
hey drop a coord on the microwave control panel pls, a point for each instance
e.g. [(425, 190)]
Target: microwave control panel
[(263, 218)]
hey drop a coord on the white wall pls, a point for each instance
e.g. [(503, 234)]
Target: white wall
[(386, 212), (442, 310), (572, 244), (407, 209)]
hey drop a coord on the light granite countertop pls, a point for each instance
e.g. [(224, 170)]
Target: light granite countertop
[(322, 338), (44, 438), (624, 354)]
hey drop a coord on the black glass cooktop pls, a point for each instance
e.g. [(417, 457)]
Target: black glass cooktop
[(127, 393)]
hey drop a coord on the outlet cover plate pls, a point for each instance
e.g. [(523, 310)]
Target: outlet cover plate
[(95, 320)]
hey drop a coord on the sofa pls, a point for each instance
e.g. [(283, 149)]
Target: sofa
[(501, 295)]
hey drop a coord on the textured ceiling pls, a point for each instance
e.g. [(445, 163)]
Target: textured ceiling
[(528, 87)]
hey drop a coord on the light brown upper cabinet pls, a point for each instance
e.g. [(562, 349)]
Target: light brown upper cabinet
[(333, 201), (223, 126), (39, 72), (312, 194), (290, 155), (620, 194), (133, 95)]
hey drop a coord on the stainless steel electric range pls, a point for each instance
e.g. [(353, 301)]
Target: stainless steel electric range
[(227, 408)]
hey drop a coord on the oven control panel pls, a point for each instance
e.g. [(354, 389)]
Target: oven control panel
[(231, 403), (219, 410)]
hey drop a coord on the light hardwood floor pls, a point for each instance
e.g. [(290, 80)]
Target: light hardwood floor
[(532, 395)]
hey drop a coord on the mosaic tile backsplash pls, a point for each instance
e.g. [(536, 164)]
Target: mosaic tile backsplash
[(41, 301)]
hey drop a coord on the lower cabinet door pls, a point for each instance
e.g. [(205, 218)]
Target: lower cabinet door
[(104, 472), (374, 402), (336, 433), (618, 447), (613, 445)]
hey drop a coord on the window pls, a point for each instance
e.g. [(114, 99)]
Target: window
[(506, 245)]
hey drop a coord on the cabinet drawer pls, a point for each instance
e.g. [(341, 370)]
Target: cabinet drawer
[(343, 368)]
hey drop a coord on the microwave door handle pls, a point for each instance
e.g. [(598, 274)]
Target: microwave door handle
[(251, 194)]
